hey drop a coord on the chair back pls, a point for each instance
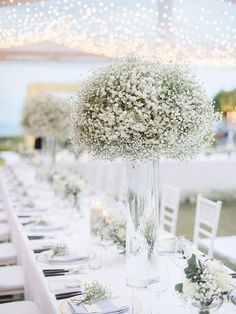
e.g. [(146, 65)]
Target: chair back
[(170, 199), (206, 222)]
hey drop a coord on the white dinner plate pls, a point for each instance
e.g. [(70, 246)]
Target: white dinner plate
[(47, 227), (45, 258)]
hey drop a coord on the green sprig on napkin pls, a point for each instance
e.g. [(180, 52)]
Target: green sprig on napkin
[(94, 291), (60, 250)]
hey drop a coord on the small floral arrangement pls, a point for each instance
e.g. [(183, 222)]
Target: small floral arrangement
[(94, 291), (117, 234), (46, 115), (205, 281), (60, 250), (109, 225), (41, 222), (66, 183), (138, 109)]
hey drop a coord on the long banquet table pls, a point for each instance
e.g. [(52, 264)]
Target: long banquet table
[(41, 289)]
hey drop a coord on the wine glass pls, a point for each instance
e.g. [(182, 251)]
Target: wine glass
[(157, 289), (183, 252)]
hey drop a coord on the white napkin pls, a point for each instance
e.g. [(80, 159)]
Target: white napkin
[(107, 306), (66, 258), (47, 227)]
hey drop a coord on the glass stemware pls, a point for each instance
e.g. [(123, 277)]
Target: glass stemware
[(157, 289), (183, 252), (205, 308)]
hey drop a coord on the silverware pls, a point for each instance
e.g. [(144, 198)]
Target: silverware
[(65, 272), (60, 296)]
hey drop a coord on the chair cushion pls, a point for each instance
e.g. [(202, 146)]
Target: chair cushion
[(21, 307), (4, 231), (224, 247), (7, 253), (3, 217), (11, 278)]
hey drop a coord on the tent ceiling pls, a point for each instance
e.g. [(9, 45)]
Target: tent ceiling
[(199, 32)]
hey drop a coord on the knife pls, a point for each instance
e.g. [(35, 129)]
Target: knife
[(32, 237), (66, 295)]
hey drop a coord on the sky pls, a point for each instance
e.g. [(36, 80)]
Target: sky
[(16, 75)]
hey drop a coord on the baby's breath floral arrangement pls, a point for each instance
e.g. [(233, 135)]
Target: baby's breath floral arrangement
[(59, 249), (205, 281), (46, 115), (109, 225), (67, 183), (94, 291), (139, 109)]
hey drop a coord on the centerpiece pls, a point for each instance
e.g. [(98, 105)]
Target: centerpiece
[(140, 110), (46, 115), (206, 284)]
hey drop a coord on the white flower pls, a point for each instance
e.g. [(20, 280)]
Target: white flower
[(219, 274), (223, 280), (154, 110), (46, 115), (189, 289)]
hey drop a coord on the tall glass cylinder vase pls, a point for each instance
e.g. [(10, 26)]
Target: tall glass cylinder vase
[(142, 234)]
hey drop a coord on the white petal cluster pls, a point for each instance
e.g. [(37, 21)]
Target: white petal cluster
[(213, 281), (46, 115), (138, 109)]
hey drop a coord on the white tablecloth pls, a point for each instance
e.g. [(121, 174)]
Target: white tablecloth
[(37, 287)]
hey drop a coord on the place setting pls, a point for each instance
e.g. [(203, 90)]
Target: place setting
[(95, 298)]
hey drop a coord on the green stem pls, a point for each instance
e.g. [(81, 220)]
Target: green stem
[(204, 312)]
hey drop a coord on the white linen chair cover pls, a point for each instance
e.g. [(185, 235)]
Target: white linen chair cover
[(3, 216), (7, 254), (21, 307), (1, 206), (109, 177), (206, 222), (36, 288), (11, 280), (170, 199), (4, 232)]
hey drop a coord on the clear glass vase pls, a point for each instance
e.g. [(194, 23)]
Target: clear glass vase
[(205, 307), (142, 236)]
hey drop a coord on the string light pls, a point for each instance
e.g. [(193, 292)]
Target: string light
[(178, 30)]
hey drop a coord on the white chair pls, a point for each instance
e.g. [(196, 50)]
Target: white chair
[(11, 280), (7, 254), (206, 223), (170, 199), (4, 232), (21, 307)]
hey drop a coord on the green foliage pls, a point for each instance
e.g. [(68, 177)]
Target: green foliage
[(10, 143), (194, 269), (225, 101), (179, 287)]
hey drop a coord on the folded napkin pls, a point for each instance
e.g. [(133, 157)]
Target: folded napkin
[(66, 258), (107, 306), (47, 227)]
